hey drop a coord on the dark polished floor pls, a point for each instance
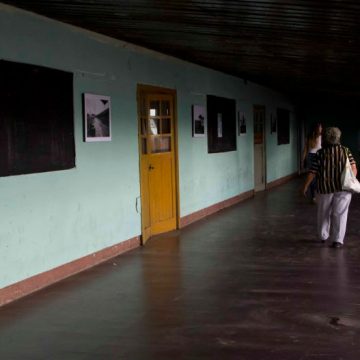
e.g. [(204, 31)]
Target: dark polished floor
[(250, 282)]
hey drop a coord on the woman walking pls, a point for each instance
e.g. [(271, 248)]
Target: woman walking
[(333, 203)]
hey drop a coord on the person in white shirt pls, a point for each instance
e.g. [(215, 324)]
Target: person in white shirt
[(312, 145)]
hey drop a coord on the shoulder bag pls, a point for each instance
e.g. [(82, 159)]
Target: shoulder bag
[(349, 182)]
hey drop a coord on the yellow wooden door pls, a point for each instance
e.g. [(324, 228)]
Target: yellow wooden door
[(157, 164)]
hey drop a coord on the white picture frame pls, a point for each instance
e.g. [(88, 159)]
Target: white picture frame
[(97, 118)]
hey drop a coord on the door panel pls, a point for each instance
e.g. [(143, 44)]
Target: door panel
[(162, 204), (157, 152), (258, 167), (259, 148)]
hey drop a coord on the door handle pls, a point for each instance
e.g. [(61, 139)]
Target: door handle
[(151, 167)]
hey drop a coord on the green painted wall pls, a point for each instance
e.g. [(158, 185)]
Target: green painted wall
[(282, 159), (49, 219)]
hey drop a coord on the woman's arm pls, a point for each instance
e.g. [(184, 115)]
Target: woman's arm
[(305, 151), (308, 180), (354, 169)]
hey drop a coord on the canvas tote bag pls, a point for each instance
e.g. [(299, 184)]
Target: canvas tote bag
[(349, 181)]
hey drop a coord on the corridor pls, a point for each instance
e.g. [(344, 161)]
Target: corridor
[(250, 282)]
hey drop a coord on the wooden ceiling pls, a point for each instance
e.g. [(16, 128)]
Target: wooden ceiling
[(300, 47)]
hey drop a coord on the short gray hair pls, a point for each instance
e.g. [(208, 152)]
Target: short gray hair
[(332, 135)]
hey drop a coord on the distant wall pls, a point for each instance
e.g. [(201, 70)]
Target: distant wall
[(342, 112)]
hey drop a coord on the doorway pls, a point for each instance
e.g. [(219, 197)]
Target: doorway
[(259, 148), (158, 160)]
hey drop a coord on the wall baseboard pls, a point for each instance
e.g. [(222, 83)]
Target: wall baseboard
[(40, 281), (281, 181), (197, 215)]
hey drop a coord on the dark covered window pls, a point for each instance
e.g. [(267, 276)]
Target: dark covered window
[(221, 113), (36, 119), (283, 126)]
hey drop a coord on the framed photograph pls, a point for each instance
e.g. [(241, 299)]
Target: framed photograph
[(199, 120), (241, 123), (272, 124), (97, 118)]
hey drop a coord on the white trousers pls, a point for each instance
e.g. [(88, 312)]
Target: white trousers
[(332, 215)]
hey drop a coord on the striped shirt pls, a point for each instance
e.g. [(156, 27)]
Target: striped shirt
[(328, 166)]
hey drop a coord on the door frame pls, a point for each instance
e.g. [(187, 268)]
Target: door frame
[(261, 107), (143, 89)]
